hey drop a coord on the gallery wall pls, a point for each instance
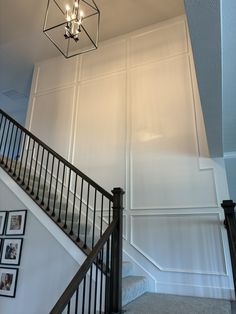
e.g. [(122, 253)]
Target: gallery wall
[(129, 115)]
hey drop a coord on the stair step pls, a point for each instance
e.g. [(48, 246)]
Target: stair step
[(127, 269), (132, 288)]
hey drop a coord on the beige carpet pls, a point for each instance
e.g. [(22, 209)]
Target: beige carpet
[(152, 303)]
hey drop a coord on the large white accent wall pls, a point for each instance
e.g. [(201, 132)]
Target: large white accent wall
[(129, 115)]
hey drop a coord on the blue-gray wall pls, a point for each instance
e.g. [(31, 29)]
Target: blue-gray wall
[(229, 90), (204, 21)]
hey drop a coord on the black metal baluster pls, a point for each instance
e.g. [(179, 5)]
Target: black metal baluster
[(18, 153), (14, 146), (5, 142), (40, 174), (101, 281), (107, 273), (96, 287), (84, 292), (90, 290), (1, 121), (26, 160), (55, 196), (86, 219), (3, 131), (50, 185), (21, 159), (68, 307), (109, 213), (62, 186), (30, 168), (94, 217), (80, 208), (9, 145), (45, 179), (35, 170), (76, 300), (67, 199), (101, 221), (73, 206)]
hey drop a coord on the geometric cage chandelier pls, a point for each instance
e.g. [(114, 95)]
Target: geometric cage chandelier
[(72, 25)]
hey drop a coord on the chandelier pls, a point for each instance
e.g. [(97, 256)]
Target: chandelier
[(72, 25)]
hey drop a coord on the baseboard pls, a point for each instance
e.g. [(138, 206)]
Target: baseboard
[(195, 291)]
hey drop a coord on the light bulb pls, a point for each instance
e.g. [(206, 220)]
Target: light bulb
[(81, 13), (67, 8)]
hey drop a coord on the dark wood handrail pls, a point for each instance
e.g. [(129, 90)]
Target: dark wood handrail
[(79, 276), (59, 157)]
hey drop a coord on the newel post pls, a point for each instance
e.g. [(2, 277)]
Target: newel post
[(228, 206), (116, 253), (230, 224)]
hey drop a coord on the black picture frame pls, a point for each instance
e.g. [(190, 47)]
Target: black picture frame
[(3, 216), (16, 221), (11, 251), (8, 281)]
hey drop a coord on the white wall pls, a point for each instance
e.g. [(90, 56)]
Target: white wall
[(129, 115), (45, 269)]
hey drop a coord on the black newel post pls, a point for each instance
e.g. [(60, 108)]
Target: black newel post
[(116, 254), (230, 224)]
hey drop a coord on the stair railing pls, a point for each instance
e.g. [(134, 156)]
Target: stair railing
[(98, 289), (77, 204), (230, 224)]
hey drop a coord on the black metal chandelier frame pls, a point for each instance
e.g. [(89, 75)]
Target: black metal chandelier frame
[(69, 39)]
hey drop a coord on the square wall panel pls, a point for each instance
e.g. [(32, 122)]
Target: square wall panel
[(55, 73), (54, 111), (101, 130)]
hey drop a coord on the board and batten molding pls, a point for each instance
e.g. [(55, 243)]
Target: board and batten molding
[(129, 114)]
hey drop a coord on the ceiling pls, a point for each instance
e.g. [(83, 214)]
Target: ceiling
[(22, 42)]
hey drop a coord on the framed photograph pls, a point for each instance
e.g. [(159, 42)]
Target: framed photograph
[(8, 281), (3, 215), (11, 251), (16, 222)]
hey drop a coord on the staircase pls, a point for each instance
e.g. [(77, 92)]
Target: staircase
[(90, 216)]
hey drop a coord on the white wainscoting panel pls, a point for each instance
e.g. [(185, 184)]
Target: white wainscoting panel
[(107, 59), (174, 242), (56, 73), (164, 156), (55, 111), (101, 129), (130, 113), (159, 43)]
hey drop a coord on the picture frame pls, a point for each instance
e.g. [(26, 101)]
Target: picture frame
[(16, 221), (11, 251), (8, 281), (3, 215)]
